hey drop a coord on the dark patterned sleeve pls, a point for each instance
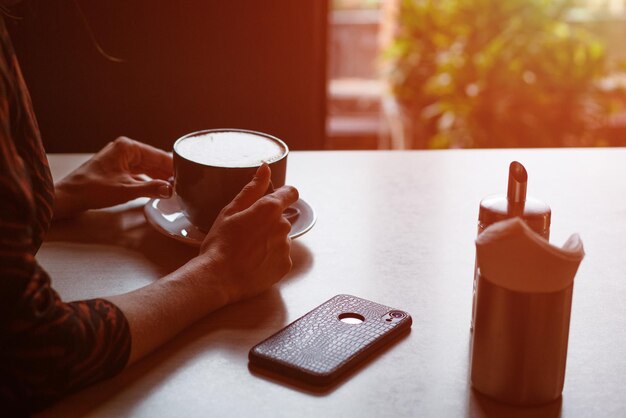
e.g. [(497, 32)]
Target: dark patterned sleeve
[(48, 348)]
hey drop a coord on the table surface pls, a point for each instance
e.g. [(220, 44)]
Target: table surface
[(394, 227)]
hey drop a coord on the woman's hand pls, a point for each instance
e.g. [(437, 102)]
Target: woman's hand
[(246, 251), (114, 175), (248, 247)]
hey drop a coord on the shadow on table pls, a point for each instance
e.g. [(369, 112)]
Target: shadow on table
[(230, 331), (127, 227), (480, 406)]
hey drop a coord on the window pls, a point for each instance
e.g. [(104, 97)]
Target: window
[(354, 88), (363, 115)]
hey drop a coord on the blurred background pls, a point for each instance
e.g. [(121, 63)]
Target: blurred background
[(338, 74)]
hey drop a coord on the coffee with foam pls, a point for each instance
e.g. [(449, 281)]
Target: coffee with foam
[(211, 167), (230, 149)]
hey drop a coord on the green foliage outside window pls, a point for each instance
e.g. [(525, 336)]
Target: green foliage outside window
[(496, 73)]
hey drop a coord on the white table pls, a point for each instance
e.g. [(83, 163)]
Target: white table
[(394, 227)]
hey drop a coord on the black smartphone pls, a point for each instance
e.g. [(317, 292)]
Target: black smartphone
[(330, 340)]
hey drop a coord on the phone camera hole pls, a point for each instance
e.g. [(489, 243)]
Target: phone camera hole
[(351, 318)]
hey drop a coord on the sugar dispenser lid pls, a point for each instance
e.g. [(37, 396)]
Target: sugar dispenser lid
[(496, 208)]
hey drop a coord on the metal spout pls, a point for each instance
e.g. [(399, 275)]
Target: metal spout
[(518, 181)]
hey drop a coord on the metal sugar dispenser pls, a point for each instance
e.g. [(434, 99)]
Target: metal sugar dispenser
[(515, 203), (523, 305), (522, 298)]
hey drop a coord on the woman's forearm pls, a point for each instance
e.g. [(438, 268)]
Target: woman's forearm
[(246, 251), (159, 311)]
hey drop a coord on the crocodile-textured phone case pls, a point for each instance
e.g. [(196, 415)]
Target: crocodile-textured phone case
[(319, 347)]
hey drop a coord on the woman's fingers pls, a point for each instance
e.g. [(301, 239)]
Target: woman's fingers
[(282, 229), (252, 191), (278, 248), (145, 159), (152, 188), (271, 206), (278, 235), (278, 262), (286, 196), (280, 265)]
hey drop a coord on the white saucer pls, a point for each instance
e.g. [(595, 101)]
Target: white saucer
[(167, 217)]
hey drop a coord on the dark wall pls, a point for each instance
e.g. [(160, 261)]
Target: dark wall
[(189, 65)]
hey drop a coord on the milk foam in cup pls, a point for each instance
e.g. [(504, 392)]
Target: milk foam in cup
[(230, 149)]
